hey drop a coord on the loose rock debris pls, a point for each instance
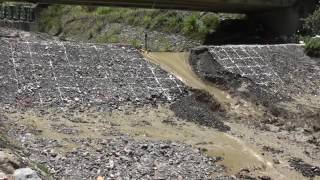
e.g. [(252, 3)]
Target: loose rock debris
[(37, 73), (53, 73), (41, 72), (305, 168), (201, 109), (277, 69), (280, 68), (129, 159), (280, 77)]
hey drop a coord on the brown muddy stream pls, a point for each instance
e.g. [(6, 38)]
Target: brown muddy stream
[(161, 123), (236, 153)]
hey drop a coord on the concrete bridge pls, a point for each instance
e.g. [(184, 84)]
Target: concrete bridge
[(235, 6), (282, 17)]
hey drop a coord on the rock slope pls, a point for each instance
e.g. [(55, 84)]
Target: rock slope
[(35, 72)]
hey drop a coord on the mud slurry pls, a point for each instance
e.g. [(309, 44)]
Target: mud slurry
[(109, 111), (50, 136), (281, 82), (208, 94), (279, 77), (240, 100), (52, 91)]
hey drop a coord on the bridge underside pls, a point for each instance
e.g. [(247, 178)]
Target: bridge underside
[(281, 17), (231, 6)]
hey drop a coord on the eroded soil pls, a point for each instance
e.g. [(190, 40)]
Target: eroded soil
[(278, 137), (156, 116)]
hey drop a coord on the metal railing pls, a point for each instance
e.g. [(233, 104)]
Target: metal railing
[(17, 13)]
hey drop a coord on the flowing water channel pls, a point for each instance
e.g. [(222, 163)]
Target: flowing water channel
[(236, 153), (157, 123)]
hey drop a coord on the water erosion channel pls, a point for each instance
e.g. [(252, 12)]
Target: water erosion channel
[(236, 153)]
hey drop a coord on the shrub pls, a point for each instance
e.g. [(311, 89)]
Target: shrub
[(112, 35), (312, 23), (159, 21), (70, 20), (211, 22), (51, 19), (190, 25), (136, 43), (174, 24), (147, 21), (104, 10), (197, 26), (312, 47)]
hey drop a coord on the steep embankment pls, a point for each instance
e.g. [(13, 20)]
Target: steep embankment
[(62, 99), (101, 105), (271, 88), (167, 30)]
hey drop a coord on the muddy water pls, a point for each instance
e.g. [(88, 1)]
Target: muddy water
[(214, 142), (236, 154), (155, 124), (210, 141), (152, 124), (177, 64)]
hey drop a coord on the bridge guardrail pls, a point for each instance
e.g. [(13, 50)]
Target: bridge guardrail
[(17, 13)]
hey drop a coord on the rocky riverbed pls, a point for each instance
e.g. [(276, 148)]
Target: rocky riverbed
[(86, 111), (279, 77), (40, 74)]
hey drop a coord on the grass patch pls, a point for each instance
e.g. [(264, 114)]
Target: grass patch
[(69, 20), (136, 43), (312, 47), (165, 45), (110, 36), (312, 23)]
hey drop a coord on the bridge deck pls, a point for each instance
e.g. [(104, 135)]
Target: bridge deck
[(236, 6)]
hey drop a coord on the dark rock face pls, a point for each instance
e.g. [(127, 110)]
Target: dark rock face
[(125, 158), (202, 109), (281, 69), (267, 74), (54, 73), (306, 169)]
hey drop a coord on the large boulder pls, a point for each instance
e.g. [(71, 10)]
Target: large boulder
[(26, 174)]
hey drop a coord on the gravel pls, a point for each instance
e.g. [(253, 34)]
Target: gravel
[(306, 169), (202, 109), (122, 157), (35, 72), (157, 41), (280, 77), (278, 69), (42, 73)]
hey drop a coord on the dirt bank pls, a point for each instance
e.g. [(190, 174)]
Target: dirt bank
[(80, 110), (250, 103), (281, 78)]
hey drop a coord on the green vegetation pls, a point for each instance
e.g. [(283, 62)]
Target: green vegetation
[(111, 36), (195, 25), (166, 46), (312, 27), (72, 20), (135, 43), (312, 47), (45, 171), (312, 23)]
